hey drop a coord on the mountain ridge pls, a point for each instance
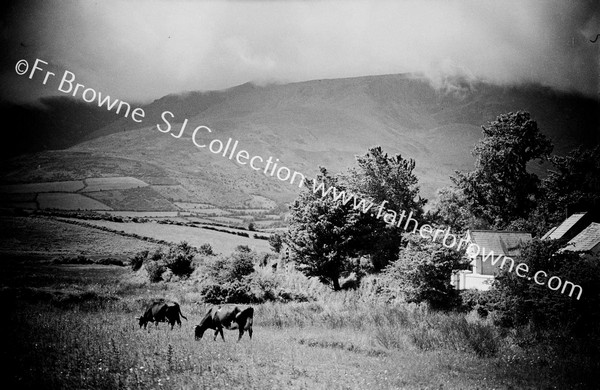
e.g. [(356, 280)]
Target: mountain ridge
[(328, 122)]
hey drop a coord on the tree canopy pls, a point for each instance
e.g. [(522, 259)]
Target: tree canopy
[(387, 178), (572, 184), (501, 189), (325, 234)]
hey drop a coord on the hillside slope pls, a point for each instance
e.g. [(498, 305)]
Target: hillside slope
[(321, 122)]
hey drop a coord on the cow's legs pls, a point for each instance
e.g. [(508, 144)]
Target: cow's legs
[(250, 333), (241, 334), (216, 333), (221, 331)]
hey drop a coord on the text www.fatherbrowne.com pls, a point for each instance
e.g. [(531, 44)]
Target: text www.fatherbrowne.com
[(270, 167)]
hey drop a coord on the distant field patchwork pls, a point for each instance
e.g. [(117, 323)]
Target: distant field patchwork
[(194, 206), (67, 201), (134, 199), (211, 212), (54, 186), (95, 193), (227, 220), (249, 211), (112, 183), (144, 214)]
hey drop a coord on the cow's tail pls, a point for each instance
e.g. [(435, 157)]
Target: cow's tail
[(181, 314)]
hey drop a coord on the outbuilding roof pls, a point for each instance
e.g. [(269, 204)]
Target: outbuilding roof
[(564, 227), (587, 240)]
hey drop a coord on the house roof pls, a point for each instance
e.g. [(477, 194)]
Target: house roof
[(587, 240), (564, 227), (501, 242)]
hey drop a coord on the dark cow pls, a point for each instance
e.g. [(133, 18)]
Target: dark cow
[(228, 318), (162, 311)]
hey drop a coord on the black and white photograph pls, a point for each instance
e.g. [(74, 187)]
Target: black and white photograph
[(303, 194)]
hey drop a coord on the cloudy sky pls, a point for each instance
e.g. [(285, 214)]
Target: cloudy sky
[(142, 50)]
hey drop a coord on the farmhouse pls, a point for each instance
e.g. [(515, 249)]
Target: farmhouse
[(485, 264)]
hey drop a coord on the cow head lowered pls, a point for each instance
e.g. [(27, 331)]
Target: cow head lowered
[(162, 311), (228, 318)]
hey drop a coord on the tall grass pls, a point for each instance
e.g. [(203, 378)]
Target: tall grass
[(77, 330)]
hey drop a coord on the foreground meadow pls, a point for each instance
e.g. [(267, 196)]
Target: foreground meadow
[(73, 326)]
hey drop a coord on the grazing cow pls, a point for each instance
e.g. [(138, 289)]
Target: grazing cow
[(162, 311), (228, 318)]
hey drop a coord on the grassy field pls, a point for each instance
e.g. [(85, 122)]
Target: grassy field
[(145, 214), (221, 242), (26, 235), (112, 183), (74, 327), (212, 211), (56, 186), (69, 201), (133, 199), (63, 335)]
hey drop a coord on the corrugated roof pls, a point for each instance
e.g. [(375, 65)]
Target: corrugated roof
[(586, 240), (549, 233), (501, 242), (564, 227)]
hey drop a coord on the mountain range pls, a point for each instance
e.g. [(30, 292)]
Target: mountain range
[(305, 125)]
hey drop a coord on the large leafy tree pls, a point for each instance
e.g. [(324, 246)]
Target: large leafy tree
[(325, 235), (573, 184), (501, 189), (390, 179)]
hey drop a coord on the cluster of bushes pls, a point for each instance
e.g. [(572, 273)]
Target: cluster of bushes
[(171, 222), (176, 262), (232, 279), (422, 274)]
